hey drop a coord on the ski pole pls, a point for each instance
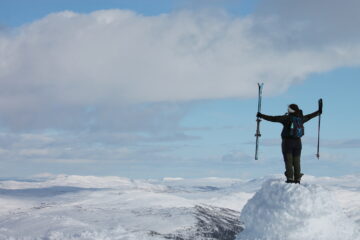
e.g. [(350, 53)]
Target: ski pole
[(258, 120), (318, 143)]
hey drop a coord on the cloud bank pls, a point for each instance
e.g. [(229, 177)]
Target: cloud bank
[(110, 82), (75, 62)]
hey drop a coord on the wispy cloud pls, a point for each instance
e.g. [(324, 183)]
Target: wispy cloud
[(66, 160), (327, 143), (267, 142), (236, 157), (334, 143), (89, 147), (328, 156)]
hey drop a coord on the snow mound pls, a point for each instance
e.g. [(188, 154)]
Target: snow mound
[(280, 211)]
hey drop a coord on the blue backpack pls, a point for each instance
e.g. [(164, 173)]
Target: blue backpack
[(296, 127)]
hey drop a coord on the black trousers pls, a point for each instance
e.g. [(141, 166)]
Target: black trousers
[(291, 149)]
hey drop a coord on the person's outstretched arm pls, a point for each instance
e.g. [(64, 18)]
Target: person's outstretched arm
[(311, 115), (279, 119), (314, 114)]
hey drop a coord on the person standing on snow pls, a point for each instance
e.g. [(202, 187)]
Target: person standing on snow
[(291, 135)]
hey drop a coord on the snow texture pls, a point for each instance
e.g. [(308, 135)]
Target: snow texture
[(280, 211), (62, 207), (97, 208)]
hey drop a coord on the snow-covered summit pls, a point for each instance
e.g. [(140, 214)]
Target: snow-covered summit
[(280, 211)]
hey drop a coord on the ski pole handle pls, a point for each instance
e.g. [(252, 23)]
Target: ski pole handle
[(320, 105)]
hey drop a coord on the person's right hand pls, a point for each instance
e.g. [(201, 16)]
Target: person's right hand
[(258, 115)]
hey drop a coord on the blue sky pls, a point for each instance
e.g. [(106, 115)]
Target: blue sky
[(169, 88)]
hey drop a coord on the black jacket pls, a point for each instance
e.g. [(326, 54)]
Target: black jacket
[(285, 120)]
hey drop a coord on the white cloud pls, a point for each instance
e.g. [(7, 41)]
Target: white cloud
[(116, 78), (66, 62), (315, 23)]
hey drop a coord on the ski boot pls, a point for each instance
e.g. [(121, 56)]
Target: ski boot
[(290, 180), (298, 179)]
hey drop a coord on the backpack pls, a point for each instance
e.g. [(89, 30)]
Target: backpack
[(296, 129)]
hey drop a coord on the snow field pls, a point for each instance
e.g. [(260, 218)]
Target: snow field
[(62, 207)]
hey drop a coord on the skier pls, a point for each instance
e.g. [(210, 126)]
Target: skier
[(291, 134)]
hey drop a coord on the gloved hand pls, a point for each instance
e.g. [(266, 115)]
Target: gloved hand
[(258, 115), (320, 105)]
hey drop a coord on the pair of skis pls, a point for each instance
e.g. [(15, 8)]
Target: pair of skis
[(258, 120)]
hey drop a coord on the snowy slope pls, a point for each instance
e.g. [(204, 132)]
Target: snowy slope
[(87, 207)]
